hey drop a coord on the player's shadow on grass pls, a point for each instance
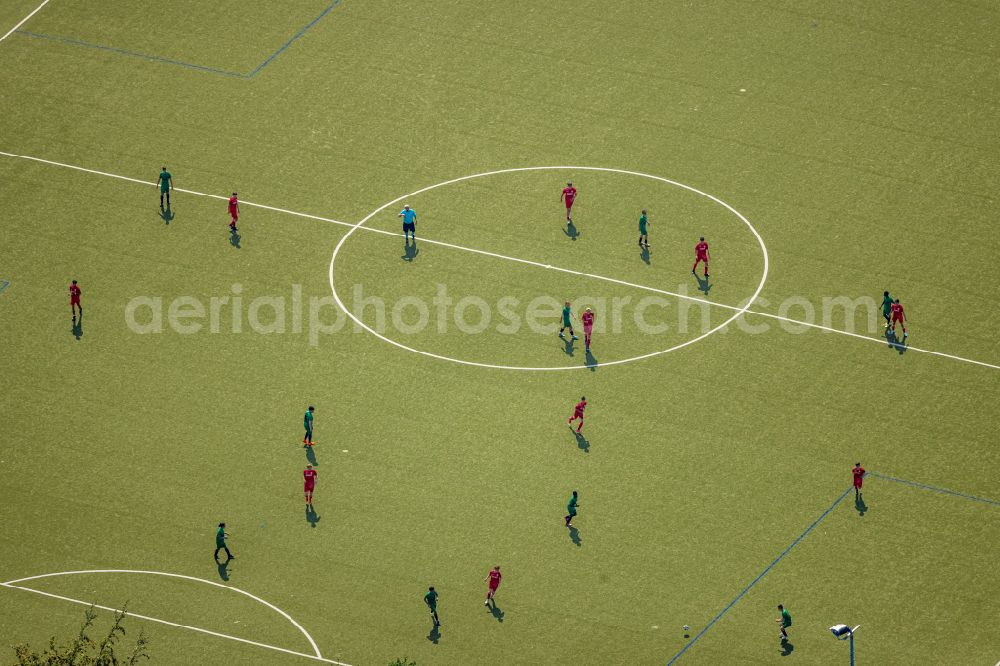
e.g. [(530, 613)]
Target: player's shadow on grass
[(167, 215), (311, 456), (410, 252), (859, 504), (571, 231), (581, 441), (311, 516), (223, 569), (495, 610), (235, 238), (574, 536), (786, 648), (591, 361), (78, 327), (644, 255), (434, 635), (703, 285), (568, 346), (895, 343)]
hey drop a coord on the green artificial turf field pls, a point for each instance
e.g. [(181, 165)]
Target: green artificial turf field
[(827, 151)]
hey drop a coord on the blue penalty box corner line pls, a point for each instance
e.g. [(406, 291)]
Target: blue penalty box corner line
[(885, 477), (135, 54), (761, 575), (169, 61), (281, 49), (943, 491)]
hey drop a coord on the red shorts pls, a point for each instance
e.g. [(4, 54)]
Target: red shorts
[(493, 588), (896, 318), (74, 300), (233, 214), (588, 329), (569, 203), (309, 487), (701, 257), (857, 483), (577, 415)]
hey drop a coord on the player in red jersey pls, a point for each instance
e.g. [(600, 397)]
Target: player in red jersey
[(859, 475), (588, 325), (74, 300), (309, 475), (578, 413), (700, 254), (898, 315), (568, 196), (234, 211), (494, 577)]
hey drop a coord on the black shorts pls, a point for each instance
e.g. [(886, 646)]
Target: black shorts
[(410, 226)]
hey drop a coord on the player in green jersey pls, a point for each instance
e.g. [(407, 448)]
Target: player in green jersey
[(431, 599), (571, 509), (886, 307), (307, 422), (785, 621), (643, 231), (166, 182), (567, 316), (220, 543)]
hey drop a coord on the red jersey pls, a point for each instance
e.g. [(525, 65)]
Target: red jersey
[(580, 406), (232, 204), (897, 311), (701, 249), (310, 476), (588, 319), (859, 473), (495, 579), (569, 193), (74, 292)]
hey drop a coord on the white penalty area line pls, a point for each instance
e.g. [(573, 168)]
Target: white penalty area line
[(168, 623), (528, 262), (24, 20)]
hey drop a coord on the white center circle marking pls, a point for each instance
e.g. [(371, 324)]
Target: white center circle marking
[(738, 313)]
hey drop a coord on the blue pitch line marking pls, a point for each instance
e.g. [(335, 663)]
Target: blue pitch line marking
[(759, 576), (885, 477), (267, 61), (935, 489), (134, 54), (169, 61)]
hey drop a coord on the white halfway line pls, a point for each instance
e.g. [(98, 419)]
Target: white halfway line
[(529, 262), (179, 626), (24, 20)]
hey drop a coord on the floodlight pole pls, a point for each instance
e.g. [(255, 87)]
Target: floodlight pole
[(852, 642)]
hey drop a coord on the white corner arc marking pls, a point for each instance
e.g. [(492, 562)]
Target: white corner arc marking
[(739, 311), (14, 584)]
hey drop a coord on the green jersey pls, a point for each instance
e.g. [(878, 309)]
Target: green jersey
[(220, 538), (886, 304), (642, 225), (431, 599), (307, 420), (565, 315), (571, 507), (786, 619), (165, 181)]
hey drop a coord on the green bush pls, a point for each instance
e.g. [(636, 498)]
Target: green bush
[(84, 650)]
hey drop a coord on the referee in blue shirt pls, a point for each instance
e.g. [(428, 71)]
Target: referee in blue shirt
[(409, 223)]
